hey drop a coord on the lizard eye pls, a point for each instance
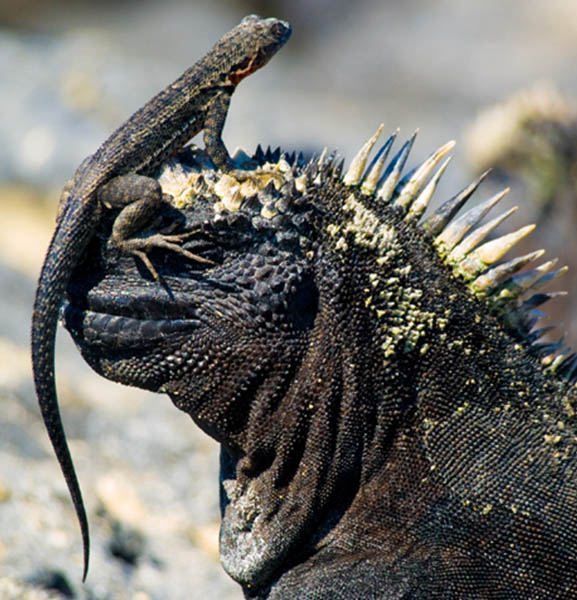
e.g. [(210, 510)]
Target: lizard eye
[(278, 28)]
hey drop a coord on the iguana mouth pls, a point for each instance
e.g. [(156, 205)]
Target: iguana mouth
[(140, 317), (106, 330), (140, 301)]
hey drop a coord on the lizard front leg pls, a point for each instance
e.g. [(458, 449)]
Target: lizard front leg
[(212, 135), (140, 198)]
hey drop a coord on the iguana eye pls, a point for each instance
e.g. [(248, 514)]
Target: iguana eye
[(205, 246)]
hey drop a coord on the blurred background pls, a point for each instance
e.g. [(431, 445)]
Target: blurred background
[(71, 71)]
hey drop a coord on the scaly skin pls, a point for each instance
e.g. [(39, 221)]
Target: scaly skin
[(388, 429), (196, 101)]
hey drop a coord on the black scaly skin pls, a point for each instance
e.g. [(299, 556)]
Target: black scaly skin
[(197, 101), (383, 434)]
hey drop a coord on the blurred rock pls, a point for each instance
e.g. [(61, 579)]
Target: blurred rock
[(126, 544), (53, 581), (207, 538), (120, 500), (13, 590), (5, 495)]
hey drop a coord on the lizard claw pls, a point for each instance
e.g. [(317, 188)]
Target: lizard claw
[(144, 258), (167, 242)]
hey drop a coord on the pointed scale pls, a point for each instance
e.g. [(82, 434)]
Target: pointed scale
[(410, 186), (568, 367), (478, 235), (490, 252), (549, 349), (419, 206), (548, 278), (521, 282), (357, 167), (311, 170), (338, 169), (562, 355), (392, 174), (240, 157), (530, 318), (459, 227), (259, 155), (538, 299), (488, 282), (532, 283), (326, 167), (539, 333), (445, 213), (371, 180), (321, 159)]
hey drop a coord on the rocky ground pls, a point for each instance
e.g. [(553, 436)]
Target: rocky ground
[(68, 76)]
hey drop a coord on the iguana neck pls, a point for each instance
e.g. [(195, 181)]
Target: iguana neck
[(307, 428)]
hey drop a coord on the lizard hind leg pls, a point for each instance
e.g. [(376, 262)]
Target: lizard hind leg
[(140, 199)]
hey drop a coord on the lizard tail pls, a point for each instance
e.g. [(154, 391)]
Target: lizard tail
[(67, 244)]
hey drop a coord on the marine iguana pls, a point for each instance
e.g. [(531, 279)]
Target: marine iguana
[(391, 424)]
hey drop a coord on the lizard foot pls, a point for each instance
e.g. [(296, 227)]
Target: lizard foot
[(140, 246)]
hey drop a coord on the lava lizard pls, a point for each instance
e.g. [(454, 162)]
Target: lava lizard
[(117, 174)]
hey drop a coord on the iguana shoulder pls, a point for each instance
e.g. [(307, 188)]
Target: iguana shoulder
[(391, 424)]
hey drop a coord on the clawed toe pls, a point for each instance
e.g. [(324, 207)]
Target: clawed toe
[(140, 246)]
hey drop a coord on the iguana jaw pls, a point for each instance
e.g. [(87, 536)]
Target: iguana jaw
[(100, 330)]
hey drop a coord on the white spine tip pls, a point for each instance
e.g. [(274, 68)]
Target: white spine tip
[(355, 171)]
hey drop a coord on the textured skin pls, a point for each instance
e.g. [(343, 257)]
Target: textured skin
[(383, 434), (196, 101)]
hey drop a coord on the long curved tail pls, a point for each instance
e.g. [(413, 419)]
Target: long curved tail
[(67, 245)]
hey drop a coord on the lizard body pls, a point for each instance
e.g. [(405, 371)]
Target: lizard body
[(197, 101)]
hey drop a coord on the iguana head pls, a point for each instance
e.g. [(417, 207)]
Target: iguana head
[(216, 324)]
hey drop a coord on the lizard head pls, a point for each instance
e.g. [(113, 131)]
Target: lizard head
[(254, 41)]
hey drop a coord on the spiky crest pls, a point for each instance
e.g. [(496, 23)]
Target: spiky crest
[(458, 239)]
